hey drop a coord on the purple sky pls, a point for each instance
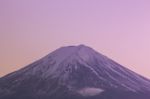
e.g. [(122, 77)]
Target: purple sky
[(30, 29)]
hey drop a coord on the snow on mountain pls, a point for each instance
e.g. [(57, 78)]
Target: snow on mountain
[(76, 71)]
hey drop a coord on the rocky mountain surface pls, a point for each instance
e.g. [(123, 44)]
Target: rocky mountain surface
[(74, 72)]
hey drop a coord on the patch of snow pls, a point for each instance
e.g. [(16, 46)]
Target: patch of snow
[(90, 91)]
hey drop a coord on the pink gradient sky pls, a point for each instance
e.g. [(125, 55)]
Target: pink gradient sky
[(30, 29)]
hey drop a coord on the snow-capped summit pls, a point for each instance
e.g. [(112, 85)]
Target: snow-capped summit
[(74, 72)]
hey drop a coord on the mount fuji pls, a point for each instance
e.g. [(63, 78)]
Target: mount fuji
[(74, 72)]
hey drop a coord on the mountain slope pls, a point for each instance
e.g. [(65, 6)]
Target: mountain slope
[(74, 72)]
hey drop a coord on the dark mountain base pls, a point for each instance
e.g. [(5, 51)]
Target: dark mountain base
[(106, 95)]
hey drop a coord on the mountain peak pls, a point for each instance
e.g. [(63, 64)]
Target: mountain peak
[(78, 47), (75, 53), (75, 48), (82, 46)]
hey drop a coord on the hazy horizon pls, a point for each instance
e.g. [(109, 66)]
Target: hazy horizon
[(31, 29)]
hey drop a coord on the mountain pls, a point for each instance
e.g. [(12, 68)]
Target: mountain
[(74, 72)]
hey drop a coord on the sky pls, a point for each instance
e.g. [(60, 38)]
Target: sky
[(31, 29)]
